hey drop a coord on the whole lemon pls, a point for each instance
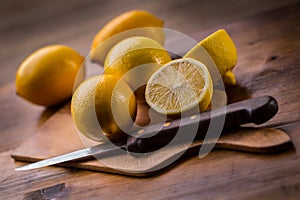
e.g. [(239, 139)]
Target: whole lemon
[(48, 75), (144, 23), (133, 52), (103, 107)]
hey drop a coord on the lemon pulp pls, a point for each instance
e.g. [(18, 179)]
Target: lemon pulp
[(179, 86)]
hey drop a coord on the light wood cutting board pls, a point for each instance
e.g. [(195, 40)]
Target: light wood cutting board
[(58, 136)]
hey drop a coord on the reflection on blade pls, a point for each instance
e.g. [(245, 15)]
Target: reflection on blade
[(83, 153)]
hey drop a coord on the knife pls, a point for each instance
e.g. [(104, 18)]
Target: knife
[(153, 137)]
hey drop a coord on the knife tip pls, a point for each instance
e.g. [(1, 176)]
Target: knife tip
[(25, 167), (19, 169)]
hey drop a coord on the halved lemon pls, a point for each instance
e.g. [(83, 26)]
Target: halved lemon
[(222, 50), (179, 86)]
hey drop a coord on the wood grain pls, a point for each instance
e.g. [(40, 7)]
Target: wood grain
[(16, 113), (220, 175)]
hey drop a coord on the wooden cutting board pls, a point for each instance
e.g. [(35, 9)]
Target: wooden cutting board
[(58, 136)]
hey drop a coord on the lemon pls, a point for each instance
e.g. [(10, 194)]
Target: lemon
[(229, 78), (127, 21), (83, 109), (103, 107), (48, 75), (179, 86), (222, 50), (133, 52)]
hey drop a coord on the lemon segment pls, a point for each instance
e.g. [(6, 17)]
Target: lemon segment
[(48, 75), (223, 52), (179, 86), (103, 107), (130, 20)]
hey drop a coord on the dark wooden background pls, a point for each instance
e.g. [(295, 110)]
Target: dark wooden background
[(28, 25), (267, 37)]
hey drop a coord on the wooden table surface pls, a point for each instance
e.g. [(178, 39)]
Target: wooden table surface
[(269, 64)]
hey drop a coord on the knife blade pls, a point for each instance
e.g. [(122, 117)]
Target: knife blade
[(153, 137), (79, 154)]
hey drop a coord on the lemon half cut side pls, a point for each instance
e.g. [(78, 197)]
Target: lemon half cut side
[(179, 86)]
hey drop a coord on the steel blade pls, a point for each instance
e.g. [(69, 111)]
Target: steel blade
[(79, 154)]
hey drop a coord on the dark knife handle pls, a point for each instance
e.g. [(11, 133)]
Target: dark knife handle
[(256, 110)]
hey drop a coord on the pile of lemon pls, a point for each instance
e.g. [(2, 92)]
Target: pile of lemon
[(105, 106)]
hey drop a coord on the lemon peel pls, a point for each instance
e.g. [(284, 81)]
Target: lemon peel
[(222, 50), (48, 75), (103, 107), (144, 23)]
